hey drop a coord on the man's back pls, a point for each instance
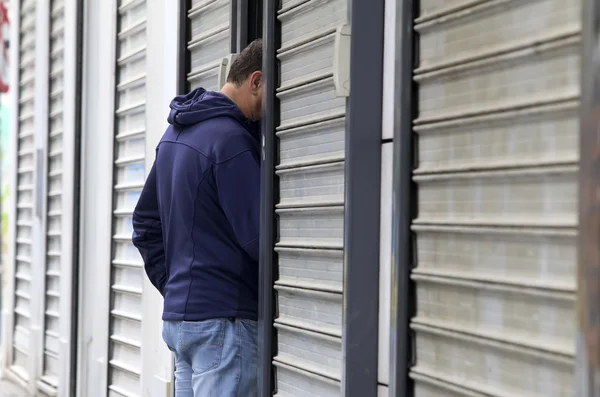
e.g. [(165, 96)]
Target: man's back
[(196, 226), (207, 189)]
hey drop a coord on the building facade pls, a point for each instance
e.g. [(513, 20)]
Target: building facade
[(419, 204)]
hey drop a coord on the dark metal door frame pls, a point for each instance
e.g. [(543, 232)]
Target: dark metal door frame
[(587, 379), (267, 337), (185, 32), (246, 23), (404, 202), (362, 200), (79, 65)]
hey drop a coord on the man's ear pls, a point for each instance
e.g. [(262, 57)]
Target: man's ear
[(256, 81)]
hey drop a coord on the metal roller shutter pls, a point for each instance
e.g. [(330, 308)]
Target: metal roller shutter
[(125, 344), (209, 42), (497, 130), (54, 208), (310, 210), (25, 190)]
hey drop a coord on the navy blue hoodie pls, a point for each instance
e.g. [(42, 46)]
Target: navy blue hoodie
[(196, 223)]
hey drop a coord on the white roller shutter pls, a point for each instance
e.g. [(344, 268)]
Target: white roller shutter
[(497, 132), (51, 365), (310, 210), (25, 191), (209, 41), (127, 266)]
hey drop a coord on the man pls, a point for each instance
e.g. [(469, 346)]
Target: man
[(196, 226)]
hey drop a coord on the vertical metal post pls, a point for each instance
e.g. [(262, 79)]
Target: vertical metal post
[(242, 22), (184, 37), (71, 141), (362, 200), (77, 195), (42, 120), (403, 202), (234, 25), (254, 17), (267, 207), (588, 270)]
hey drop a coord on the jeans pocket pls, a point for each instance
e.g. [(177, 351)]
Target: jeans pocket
[(202, 343), (249, 331), (166, 335)]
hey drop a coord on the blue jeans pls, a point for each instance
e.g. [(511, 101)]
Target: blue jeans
[(214, 358)]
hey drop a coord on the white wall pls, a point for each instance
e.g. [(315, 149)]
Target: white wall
[(387, 149), (96, 196), (162, 60), (385, 262), (97, 183)]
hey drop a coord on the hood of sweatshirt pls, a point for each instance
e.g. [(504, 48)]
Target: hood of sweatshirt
[(201, 105)]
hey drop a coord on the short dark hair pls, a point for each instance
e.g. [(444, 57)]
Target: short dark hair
[(246, 63)]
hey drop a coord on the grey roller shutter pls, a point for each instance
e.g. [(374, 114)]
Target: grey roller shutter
[(25, 190), (311, 196), (209, 41), (51, 365), (497, 132), (127, 267)]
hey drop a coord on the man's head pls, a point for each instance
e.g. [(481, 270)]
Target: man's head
[(244, 82)]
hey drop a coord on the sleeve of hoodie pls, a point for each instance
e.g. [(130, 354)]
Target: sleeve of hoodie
[(147, 233), (238, 185)]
